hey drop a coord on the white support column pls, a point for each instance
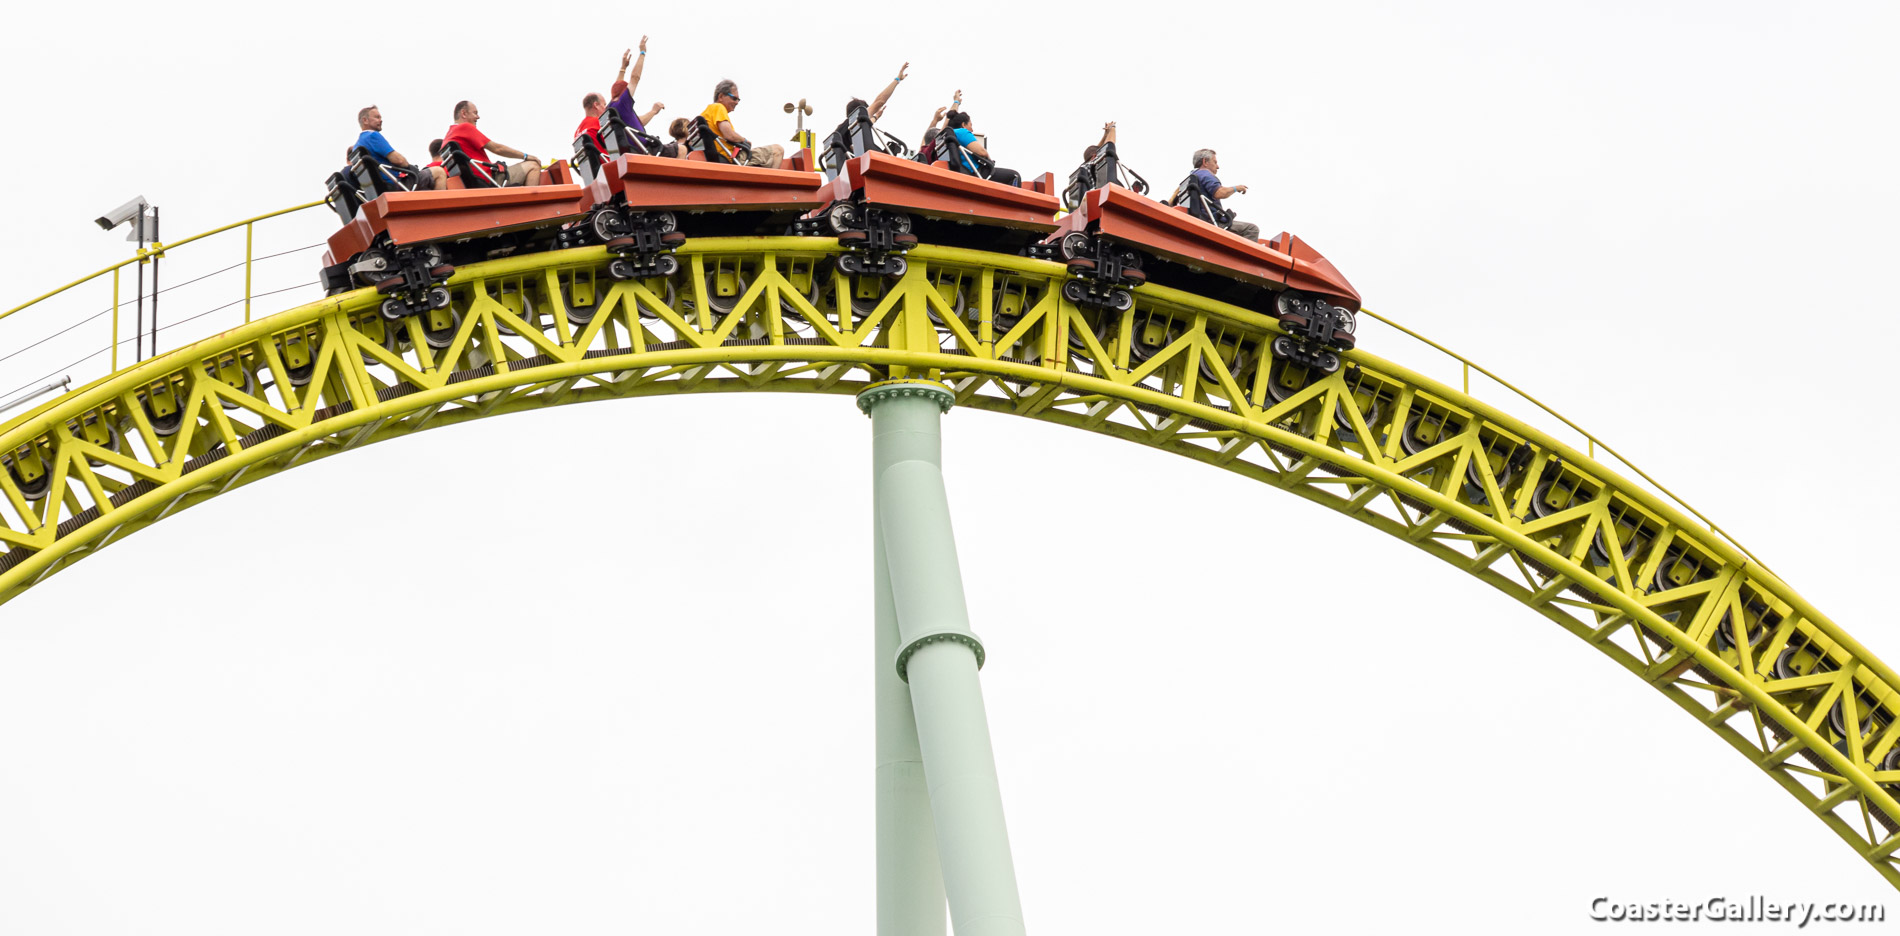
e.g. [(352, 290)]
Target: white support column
[(910, 899), (939, 657)]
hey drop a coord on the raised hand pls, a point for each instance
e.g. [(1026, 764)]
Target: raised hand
[(643, 43), (658, 107), (626, 58), (901, 70)]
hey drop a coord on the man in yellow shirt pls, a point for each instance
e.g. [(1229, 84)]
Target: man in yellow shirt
[(719, 117)]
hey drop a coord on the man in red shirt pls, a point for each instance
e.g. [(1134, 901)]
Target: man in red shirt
[(594, 105), (476, 145)]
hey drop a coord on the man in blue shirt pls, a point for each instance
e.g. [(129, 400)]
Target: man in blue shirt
[(370, 120), (1206, 164)]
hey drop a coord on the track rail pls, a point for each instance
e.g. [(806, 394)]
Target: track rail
[(1604, 558)]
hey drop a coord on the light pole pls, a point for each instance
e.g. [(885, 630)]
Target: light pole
[(143, 229)]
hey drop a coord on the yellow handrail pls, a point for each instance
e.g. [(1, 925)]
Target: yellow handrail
[(154, 250), (1593, 440)]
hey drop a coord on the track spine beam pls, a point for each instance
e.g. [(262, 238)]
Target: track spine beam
[(1606, 559)]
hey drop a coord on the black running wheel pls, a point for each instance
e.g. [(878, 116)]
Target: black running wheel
[(1345, 320), (167, 424), (443, 336), (723, 305), (843, 216), (607, 224), (35, 489)]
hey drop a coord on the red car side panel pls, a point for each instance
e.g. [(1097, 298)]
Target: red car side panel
[(1121, 215), (1315, 273), (658, 182), (418, 217), (913, 186)]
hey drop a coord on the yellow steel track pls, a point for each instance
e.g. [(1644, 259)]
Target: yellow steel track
[(1605, 559)]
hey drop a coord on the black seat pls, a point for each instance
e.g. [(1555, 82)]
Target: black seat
[(474, 173), (364, 179), (382, 179), (345, 197), (1189, 195), (618, 139), (1103, 170), (960, 157), (700, 136), (854, 137), (587, 158), (936, 146)]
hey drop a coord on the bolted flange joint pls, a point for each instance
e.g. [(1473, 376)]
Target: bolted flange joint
[(923, 640), (905, 387)]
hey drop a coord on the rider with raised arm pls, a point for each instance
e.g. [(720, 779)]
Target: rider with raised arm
[(1108, 139), (931, 149), (727, 138), (876, 107), (475, 145), (620, 94)]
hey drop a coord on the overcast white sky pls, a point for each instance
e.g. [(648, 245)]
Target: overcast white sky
[(608, 669)]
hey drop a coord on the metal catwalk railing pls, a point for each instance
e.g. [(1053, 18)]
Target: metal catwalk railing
[(150, 253)]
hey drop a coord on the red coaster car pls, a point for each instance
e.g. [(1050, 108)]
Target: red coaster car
[(1109, 239), (879, 203), (407, 243), (637, 203)]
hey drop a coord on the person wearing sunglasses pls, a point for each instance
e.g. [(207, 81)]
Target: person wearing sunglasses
[(727, 138)]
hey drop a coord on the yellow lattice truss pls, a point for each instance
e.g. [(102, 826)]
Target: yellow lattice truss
[(1605, 559)]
